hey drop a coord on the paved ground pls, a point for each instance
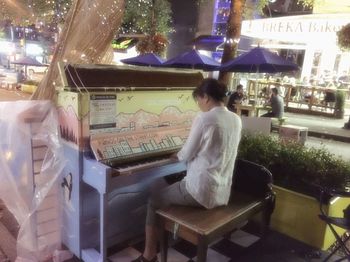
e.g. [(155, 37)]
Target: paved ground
[(325, 132), (7, 95), (322, 126), (242, 246), (337, 148)]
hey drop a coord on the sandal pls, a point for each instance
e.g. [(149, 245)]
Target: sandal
[(142, 259)]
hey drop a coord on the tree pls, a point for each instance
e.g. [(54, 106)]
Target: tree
[(344, 37), (233, 33), (344, 43), (14, 10), (149, 17), (86, 38), (28, 12), (50, 12), (146, 16)]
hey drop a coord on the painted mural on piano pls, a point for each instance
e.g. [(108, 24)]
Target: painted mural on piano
[(121, 145), (136, 111)]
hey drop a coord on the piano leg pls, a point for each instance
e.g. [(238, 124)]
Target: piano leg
[(103, 226), (91, 254)]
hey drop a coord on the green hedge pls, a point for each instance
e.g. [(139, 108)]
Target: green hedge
[(294, 166)]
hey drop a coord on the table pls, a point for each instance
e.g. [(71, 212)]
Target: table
[(249, 108), (252, 109)]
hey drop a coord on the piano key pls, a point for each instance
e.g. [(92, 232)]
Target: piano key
[(130, 169)]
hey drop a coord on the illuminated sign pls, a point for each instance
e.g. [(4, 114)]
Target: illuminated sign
[(303, 29), (300, 27), (124, 43)]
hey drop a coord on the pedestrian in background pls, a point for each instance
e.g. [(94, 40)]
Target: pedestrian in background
[(236, 97), (276, 103)]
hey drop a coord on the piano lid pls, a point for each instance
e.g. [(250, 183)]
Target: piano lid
[(128, 147), (97, 77)]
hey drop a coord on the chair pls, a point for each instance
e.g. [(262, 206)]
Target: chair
[(342, 222)]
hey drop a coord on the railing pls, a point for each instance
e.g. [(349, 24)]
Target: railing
[(315, 98), (301, 98)]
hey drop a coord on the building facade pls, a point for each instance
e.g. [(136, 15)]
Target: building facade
[(305, 35)]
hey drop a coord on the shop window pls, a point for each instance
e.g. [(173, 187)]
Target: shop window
[(336, 63), (315, 70)]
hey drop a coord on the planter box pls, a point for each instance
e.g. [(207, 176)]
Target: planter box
[(296, 215), (28, 88)]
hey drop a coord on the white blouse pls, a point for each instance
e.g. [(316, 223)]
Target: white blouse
[(210, 152)]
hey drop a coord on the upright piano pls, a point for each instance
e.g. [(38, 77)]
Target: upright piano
[(119, 125)]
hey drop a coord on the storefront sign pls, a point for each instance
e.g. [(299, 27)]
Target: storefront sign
[(300, 27), (295, 28)]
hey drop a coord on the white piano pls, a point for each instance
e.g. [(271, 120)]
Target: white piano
[(120, 125)]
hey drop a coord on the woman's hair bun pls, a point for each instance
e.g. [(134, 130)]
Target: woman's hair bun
[(212, 88)]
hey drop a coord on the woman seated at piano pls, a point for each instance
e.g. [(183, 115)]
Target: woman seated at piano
[(209, 152)]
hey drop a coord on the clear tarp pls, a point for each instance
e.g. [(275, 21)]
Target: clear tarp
[(86, 38), (31, 163)]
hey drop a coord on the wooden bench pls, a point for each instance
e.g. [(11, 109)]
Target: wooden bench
[(251, 194)]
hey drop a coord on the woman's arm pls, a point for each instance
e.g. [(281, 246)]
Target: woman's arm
[(193, 142)]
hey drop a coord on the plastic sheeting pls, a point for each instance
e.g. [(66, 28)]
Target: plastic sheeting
[(86, 37), (31, 163)]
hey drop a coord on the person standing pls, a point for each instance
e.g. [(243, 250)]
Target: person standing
[(21, 77), (209, 152), (277, 105)]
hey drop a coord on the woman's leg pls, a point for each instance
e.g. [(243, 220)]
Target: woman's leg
[(175, 194)]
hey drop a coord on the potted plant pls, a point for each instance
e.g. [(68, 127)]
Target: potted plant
[(339, 104), (296, 171), (29, 86)]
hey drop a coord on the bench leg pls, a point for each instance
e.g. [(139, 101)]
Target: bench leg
[(164, 235), (266, 217), (264, 224), (202, 249)]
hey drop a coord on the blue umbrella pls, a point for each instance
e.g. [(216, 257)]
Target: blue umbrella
[(259, 60), (149, 59), (192, 59)]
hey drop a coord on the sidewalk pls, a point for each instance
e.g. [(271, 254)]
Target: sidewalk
[(322, 127), (13, 95)]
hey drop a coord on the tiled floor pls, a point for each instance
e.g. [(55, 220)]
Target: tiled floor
[(241, 247)]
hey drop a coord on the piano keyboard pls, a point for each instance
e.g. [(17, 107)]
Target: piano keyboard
[(132, 168)]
